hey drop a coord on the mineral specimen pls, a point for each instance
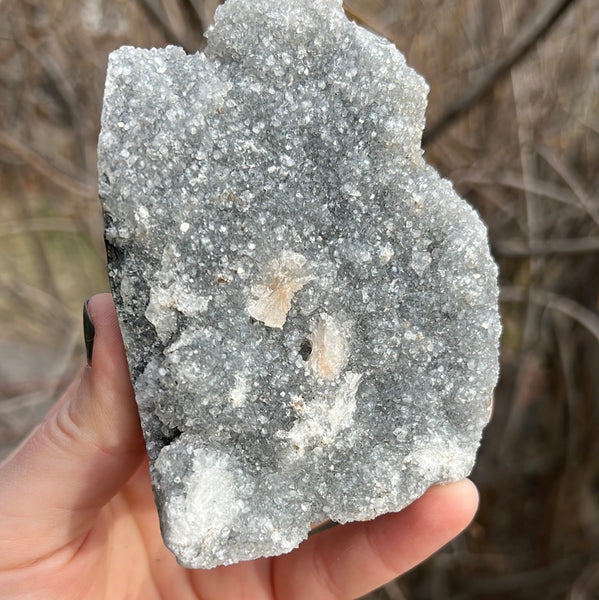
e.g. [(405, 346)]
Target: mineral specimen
[(309, 310)]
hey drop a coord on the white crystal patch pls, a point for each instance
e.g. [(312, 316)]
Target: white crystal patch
[(329, 348), (272, 295)]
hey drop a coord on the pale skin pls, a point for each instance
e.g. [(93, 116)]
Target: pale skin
[(78, 522)]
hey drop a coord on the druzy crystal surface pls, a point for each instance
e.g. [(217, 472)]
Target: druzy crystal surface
[(309, 309)]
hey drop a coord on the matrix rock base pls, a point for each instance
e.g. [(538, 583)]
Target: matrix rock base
[(309, 310)]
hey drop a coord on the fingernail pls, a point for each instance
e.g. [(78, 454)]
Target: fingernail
[(328, 524), (88, 333)]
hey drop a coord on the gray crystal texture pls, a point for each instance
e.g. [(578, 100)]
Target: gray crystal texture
[(309, 309)]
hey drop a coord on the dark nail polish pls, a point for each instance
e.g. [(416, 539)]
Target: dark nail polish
[(328, 524), (88, 333)]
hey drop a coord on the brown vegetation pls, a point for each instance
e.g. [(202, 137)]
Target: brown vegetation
[(513, 121)]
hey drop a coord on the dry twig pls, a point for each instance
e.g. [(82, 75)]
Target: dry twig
[(58, 175), (572, 309), (523, 248), (538, 26)]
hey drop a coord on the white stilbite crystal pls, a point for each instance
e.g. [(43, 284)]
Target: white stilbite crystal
[(322, 419), (330, 349), (208, 500), (309, 309), (271, 297)]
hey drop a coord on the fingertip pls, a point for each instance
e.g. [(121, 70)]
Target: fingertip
[(106, 392), (469, 495), (98, 304), (108, 360), (462, 496), (104, 323)]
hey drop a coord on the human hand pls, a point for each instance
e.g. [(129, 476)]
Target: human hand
[(78, 521)]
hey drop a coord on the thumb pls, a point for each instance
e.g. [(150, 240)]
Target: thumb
[(79, 456)]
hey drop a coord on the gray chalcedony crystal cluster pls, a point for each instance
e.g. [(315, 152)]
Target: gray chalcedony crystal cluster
[(309, 310)]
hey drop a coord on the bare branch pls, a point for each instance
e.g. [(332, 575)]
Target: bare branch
[(573, 181), (537, 27), (20, 226), (582, 315), (545, 189), (154, 10), (58, 175), (64, 92), (521, 248)]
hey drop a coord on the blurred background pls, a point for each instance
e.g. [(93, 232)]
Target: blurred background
[(513, 121)]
